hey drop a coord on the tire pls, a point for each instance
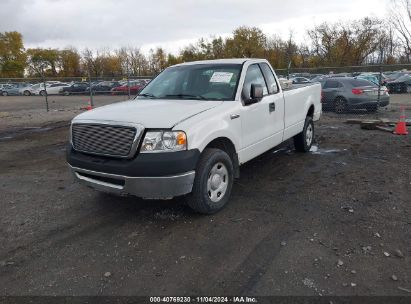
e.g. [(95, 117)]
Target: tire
[(66, 93), (340, 105), (213, 182), (42, 93), (26, 93), (304, 140), (4, 93)]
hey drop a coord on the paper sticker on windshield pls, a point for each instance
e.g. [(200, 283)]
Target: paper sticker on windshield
[(223, 77)]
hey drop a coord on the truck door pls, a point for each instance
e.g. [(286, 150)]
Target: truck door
[(261, 128)]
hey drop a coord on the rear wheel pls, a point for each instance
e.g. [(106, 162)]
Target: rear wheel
[(43, 93), (26, 93), (66, 93), (340, 105), (213, 182), (4, 93), (304, 140)]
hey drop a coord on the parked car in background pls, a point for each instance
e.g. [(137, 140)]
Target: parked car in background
[(319, 78), (348, 93), (14, 88), (400, 85), (300, 80), (395, 76), (135, 87), (340, 75), (104, 87), (4, 86), (384, 77), (54, 89), (75, 88), (32, 90), (369, 77)]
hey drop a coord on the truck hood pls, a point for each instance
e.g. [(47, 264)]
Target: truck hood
[(151, 113)]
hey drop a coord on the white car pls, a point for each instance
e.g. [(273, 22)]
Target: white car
[(35, 89), (38, 89), (189, 131), (54, 89)]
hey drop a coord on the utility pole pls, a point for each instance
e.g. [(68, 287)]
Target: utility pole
[(380, 76), (128, 78), (90, 89), (45, 88)]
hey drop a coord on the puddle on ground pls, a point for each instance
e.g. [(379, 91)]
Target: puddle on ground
[(315, 150)]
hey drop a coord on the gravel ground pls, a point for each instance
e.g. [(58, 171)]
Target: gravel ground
[(336, 221)]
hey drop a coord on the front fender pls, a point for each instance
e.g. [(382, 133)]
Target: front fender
[(210, 125)]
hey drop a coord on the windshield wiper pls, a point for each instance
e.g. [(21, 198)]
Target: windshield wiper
[(187, 95), (147, 95)]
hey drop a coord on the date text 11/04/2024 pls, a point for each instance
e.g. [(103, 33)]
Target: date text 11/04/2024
[(203, 300)]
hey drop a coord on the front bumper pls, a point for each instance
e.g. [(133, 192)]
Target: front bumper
[(147, 175), (161, 187)]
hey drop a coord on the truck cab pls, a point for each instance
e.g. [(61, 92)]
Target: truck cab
[(189, 131)]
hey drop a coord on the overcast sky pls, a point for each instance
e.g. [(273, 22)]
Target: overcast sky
[(171, 24)]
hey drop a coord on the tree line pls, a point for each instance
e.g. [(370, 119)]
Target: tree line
[(360, 42)]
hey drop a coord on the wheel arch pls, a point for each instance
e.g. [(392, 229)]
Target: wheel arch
[(226, 145), (310, 111)]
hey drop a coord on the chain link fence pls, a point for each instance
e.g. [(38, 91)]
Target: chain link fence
[(360, 92)]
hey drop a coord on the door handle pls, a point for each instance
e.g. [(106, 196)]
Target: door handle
[(271, 107), (234, 116)]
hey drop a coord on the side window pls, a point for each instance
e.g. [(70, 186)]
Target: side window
[(332, 84), (253, 76), (269, 77)]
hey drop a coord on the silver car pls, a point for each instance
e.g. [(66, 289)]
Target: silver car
[(343, 94)]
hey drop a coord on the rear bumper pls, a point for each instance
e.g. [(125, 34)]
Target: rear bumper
[(360, 103), (145, 187)]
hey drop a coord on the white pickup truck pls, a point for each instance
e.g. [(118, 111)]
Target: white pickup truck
[(189, 131)]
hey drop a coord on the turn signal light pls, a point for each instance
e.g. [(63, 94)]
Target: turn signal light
[(181, 138)]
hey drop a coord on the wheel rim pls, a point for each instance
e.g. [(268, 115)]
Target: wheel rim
[(339, 105), (4, 93), (217, 182), (309, 133)]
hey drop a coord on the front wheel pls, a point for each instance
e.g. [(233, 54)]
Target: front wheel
[(304, 140), (4, 93), (26, 93), (213, 182), (43, 93)]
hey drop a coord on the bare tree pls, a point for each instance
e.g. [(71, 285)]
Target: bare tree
[(400, 15)]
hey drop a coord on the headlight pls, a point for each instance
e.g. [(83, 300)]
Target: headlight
[(164, 141)]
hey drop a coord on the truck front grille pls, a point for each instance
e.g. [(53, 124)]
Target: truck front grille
[(100, 139)]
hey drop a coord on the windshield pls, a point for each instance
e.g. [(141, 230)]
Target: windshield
[(199, 81)]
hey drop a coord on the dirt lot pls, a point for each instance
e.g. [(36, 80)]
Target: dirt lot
[(332, 222)]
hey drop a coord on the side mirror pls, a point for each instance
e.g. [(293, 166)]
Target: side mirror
[(256, 94)]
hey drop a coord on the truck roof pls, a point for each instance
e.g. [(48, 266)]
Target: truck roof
[(222, 61)]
